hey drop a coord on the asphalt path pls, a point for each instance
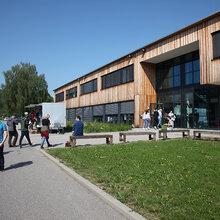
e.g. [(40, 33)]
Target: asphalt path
[(32, 187)]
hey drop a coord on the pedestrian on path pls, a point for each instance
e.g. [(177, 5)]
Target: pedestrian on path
[(3, 136), (12, 122), (24, 130), (45, 131)]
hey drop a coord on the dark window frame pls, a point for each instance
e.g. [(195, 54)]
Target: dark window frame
[(216, 51), (71, 93), (59, 97), (118, 77), (92, 83)]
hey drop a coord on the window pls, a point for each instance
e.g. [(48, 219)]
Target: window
[(71, 93), (175, 80), (216, 44), (118, 77), (59, 97), (178, 72), (188, 73), (89, 87), (196, 71)]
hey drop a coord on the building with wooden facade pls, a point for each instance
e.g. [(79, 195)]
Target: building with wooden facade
[(180, 71)]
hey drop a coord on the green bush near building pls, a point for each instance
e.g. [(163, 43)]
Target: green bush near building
[(98, 127), (172, 179)]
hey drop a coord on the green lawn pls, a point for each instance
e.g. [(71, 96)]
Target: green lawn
[(174, 179)]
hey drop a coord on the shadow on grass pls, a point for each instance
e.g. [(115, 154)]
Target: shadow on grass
[(19, 165)]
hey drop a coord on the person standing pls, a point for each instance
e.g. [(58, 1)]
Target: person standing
[(156, 114), (3, 136), (172, 116), (24, 130), (148, 118), (12, 122), (159, 125), (78, 127), (45, 131), (144, 117), (32, 120)]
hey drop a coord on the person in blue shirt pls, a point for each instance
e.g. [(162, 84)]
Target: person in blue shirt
[(78, 127), (3, 136)]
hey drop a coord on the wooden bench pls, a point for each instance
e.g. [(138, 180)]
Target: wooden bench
[(197, 134), (163, 133), (109, 138), (122, 135)]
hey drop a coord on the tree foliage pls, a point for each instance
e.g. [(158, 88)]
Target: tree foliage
[(23, 86)]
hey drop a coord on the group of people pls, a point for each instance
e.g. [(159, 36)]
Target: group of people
[(13, 134), (157, 115), (157, 119)]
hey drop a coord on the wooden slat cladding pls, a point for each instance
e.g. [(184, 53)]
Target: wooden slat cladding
[(114, 94), (145, 88), (210, 69)]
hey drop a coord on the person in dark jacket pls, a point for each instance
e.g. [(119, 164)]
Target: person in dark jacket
[(78, 127), (12, 122), (24, 130), (156, 114)]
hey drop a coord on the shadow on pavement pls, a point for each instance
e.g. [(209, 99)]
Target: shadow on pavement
[(7, 152), (18, 165), (54, 145)]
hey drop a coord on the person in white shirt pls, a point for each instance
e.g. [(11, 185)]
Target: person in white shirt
[(146, 117), (159, 118), (170, 123)]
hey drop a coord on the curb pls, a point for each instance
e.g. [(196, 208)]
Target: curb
[(114, 203)]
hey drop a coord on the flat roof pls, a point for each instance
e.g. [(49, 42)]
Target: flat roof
[(148, 45)]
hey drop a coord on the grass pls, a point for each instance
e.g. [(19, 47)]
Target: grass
[(97, 127), (174, 179)]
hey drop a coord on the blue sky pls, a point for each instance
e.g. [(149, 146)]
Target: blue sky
[(66, 39)]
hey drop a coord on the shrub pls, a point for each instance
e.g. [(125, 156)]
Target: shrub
[(97, 127)]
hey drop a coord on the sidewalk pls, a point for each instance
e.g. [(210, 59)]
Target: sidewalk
[(34, 188)]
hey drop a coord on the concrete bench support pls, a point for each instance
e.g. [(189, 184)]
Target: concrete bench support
[(198, 134), (109, 138), (123, 135), (163, 133)]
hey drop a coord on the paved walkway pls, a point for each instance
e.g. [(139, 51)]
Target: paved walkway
[(32, 187)]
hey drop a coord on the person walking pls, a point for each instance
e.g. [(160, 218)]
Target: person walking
[(24, 130), (148, 118), (45, 131), (78, 127), (156, 114), (159, 125), (3, 136), (144, 117), (12, 122)]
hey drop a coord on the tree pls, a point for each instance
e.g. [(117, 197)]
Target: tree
[(23, 86)]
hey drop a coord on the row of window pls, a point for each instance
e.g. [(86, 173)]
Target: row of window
[(115, 78), (120, 112)]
